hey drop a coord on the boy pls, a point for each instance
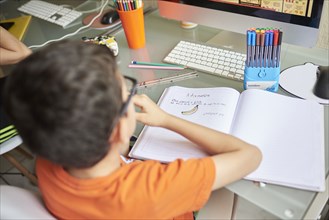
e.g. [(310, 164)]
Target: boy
[(73, 110)]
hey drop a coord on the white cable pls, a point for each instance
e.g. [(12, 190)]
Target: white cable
[(89, 11), (77, 31)]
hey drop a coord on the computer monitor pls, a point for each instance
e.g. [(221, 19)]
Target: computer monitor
[(299, 20)]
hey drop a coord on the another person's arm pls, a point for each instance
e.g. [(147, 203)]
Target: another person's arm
[(233, 157), (11, 49)]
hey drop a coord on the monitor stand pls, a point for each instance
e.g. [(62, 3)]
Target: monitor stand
[(230, 40)]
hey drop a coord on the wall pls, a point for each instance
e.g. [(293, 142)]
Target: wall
[(323, 41)]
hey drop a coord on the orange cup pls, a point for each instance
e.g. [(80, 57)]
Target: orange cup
[(133, 26)]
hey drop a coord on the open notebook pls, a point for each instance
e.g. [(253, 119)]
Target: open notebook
[(289, 131)]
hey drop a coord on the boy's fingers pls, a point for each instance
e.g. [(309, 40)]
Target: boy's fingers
[(136, 100), (139, 100)]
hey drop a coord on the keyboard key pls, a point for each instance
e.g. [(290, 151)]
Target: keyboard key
[(218, 71), (237, 76), (201, 67), (240, 71), (225, 73)]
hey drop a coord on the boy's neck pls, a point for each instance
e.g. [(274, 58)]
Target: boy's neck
[(110, 163)]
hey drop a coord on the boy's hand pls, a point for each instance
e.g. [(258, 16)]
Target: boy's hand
[(150, 113)]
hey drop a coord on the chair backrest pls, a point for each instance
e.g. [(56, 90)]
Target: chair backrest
[(19, 203), (10, 144)]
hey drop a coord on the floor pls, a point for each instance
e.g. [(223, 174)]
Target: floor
[(11, 176)]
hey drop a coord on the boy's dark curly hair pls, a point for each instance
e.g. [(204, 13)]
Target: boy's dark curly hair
[(64, 100)]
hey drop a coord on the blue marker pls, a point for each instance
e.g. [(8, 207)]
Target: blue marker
[(253, 45), (248, 47)]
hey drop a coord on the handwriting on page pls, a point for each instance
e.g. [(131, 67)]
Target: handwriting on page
[(199, 101), (211, 108)]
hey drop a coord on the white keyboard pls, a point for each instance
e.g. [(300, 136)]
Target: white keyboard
[(209, 59), (50, 12)]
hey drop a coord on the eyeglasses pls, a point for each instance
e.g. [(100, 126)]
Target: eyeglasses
[(131, 85)]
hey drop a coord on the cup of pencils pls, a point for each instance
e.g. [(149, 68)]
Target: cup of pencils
[(132, 20)]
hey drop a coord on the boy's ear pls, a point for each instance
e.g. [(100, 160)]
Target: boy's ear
[(119, 133)]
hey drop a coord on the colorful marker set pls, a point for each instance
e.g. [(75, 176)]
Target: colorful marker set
[(262, 68), (127, 5), (263, 47)]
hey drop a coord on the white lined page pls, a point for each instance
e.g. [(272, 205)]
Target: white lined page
[(290, 134)]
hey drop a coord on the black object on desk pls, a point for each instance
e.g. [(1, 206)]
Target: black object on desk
[(7, 25), (110, 17), (321, 87)]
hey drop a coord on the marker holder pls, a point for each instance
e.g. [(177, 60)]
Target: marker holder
[(262, 78)]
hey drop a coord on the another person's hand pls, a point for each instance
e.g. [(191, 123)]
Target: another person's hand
[(11, 49), (150, 113)]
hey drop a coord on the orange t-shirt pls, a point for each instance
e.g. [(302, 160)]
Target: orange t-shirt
[(138, 190)]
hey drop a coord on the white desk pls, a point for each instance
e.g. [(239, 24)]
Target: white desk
[(283, 202)]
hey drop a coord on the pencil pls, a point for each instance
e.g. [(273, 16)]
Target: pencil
[(128, 5), (119, 5), (136, 2), (124, 5), (154, 64), (156, 67), (132, 5)]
